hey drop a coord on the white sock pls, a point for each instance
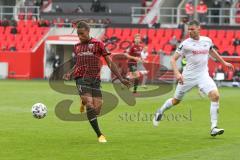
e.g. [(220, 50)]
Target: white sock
[(144, 80), (168, 104), (214, 113)]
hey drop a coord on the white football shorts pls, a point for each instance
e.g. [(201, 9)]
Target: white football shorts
[(204, 83)]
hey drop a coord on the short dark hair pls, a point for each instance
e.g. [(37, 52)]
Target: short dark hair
[(194, 22), (83, 24)]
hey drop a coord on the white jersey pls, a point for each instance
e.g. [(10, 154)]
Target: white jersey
[(196, 53)]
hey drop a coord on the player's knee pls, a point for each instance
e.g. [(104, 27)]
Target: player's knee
[(175, 101), (88, 103), (87, 100), (214, 96), (98, 105)]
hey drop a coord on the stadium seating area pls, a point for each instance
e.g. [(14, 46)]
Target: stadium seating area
[(223, 39), (28, 34), (157, 38)]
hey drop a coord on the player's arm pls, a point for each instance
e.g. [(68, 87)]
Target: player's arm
[(173, 61), (68, 75), (115, 71), (131, 57), (215, 54)]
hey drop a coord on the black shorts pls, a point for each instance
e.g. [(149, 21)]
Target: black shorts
[(89, 85), (132, 67)]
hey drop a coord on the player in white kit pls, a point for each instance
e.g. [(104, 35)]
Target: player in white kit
[(196, 49)]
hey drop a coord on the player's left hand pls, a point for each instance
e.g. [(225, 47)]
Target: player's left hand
[(229, 65)]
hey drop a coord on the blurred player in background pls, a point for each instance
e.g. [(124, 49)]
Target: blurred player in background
[(141, 68), (134, 56), (86, 72), (196, 49)]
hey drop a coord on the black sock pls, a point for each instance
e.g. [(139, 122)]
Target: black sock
[(91, 114), (136, 81)]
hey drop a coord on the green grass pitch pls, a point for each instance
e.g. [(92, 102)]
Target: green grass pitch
[(182, 135)]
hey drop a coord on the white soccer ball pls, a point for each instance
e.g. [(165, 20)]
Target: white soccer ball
[(39, 110)]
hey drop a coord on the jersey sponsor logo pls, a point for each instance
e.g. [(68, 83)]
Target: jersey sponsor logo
[(200, 52), (86, 53)]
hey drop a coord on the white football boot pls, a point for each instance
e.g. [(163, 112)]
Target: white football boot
[(216, 131), (157, 118)]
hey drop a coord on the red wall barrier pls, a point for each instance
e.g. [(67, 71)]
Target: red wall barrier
[(18, 64), (37, 68), (24, 65)]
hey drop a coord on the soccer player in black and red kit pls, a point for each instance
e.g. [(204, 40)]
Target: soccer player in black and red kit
[(134, 56), (86, 72)]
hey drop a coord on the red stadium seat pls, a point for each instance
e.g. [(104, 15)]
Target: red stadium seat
[(168, 49), (109, 32), (5, 37), (29, 23), (135, 31), (7, 30), (221, 49), (237, 34), (21, 23), (11, 37), (151, 33), (160, 33), (230, 49), (158, 47), (230, 34), (216, 41), (28, 35), (143, 31), (164, 40), (1, 30), (118, 32), (203, 32), (221, 34), (126, 34), (168, 33), (212, 33), (226, 43), (177, 33)]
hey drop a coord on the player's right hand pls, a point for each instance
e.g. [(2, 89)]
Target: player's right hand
[(67, 76), (179, 78), (229, 65)]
